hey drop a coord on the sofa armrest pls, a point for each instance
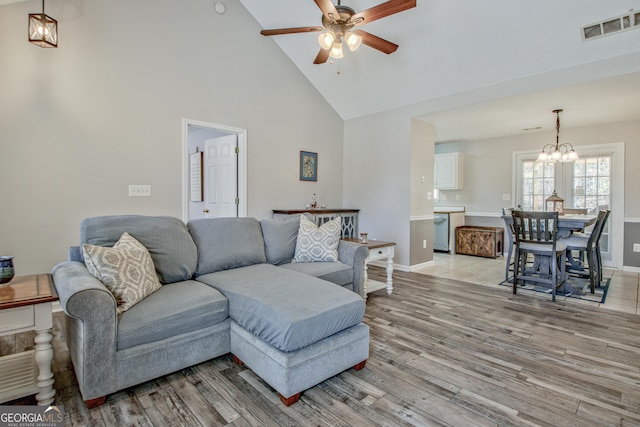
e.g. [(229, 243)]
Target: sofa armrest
[(91, 327), (354, 254)]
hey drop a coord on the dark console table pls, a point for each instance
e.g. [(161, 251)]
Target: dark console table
[(320, 216)]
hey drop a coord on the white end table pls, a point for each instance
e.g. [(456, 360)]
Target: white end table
[(25, 305), (378, 250)]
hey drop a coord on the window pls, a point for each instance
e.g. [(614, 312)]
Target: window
[(592, 183), (592, 190), (538, 183)]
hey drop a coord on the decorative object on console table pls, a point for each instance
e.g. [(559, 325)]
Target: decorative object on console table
[(378, 251), (320, 216), (486, 242), (6, 269), (308, 166), (25, 305)]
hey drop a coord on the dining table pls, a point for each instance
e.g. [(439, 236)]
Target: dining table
[(569, 223)]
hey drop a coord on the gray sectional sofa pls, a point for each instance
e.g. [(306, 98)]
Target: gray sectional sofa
[(228, 286)]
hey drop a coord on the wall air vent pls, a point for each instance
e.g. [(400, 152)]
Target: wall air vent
[(624, 22)]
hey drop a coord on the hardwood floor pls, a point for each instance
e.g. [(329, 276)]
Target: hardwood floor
[(443, 352)]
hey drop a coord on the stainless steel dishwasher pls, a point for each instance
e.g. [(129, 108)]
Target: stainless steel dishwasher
[(441, 232)]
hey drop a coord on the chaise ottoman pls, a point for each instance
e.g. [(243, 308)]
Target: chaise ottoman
[(293, 330)]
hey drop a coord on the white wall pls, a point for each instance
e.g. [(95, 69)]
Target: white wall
[(78, 124)]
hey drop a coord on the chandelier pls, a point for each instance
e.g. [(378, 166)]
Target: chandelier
[(558, 152)]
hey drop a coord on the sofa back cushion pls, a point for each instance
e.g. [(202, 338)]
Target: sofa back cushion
[(225, 243), (167, 239), (280, 236)]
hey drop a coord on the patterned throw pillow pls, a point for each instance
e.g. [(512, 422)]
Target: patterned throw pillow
[(126, 269), (317, 244)]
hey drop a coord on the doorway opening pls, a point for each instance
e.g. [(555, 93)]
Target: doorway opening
[(223, 172)]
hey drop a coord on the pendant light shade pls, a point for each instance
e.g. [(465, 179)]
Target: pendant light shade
[(336, 50), (326, 39), (43, 30), (353, 40)]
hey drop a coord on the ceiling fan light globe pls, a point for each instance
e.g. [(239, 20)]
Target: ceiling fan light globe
[(353, 40), (326, 39), (336, 50)]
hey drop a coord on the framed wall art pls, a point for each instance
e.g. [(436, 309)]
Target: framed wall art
[(308, 166)]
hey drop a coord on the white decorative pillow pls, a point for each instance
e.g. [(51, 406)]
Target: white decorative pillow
[(126, 269), (317, 244)]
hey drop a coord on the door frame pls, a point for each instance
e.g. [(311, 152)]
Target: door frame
[(242, 163)]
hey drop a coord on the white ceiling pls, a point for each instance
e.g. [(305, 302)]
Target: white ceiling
[(476, 69)]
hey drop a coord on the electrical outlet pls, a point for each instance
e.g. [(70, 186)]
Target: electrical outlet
[(506, 196), (457, 197), (139, 191), (636, 247)]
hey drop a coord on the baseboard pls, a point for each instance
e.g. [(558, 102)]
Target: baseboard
[(631, 269)]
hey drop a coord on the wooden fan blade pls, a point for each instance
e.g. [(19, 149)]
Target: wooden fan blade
[(328, 9), (380, 11), (281, 31), (376, 42), (322, 57)]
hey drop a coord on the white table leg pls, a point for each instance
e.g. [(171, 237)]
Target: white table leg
[(44, 357), (389, 275)]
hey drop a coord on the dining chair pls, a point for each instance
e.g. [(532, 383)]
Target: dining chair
[(536, 233), (590, 246), (508, 221)]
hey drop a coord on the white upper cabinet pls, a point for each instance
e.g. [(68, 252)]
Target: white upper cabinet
[(448, 171)]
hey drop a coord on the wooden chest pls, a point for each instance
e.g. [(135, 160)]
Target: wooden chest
[(479, 241)]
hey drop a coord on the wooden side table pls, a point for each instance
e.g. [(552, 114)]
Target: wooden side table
[(378, 250), (25, 305)]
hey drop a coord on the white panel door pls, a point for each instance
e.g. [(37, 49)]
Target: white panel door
[(221, 176)]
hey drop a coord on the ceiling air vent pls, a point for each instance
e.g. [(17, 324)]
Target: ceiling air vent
[(624, 22)]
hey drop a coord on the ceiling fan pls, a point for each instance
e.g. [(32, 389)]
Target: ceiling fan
[(338, 22)]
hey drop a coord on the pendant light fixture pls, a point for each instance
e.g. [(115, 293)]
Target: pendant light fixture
[(558, 152), (43, 30)]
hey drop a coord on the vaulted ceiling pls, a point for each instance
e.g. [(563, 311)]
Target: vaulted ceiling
[(476, 69)]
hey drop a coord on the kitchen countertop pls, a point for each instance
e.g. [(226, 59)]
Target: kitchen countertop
[(448, 209)]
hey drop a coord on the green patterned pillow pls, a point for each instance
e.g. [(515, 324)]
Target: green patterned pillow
[(126, 269), (317, 244)]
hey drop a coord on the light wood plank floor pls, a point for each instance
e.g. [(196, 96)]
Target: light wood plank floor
[(443, 352)]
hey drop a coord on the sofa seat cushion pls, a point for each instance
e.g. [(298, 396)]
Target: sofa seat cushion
[(334, 272), (287, 309), (174, 309)]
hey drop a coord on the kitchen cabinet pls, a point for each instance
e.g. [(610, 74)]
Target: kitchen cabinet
[(448, 170)]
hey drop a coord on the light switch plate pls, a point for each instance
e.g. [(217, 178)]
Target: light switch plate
[(506, 196), (139, 191)]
